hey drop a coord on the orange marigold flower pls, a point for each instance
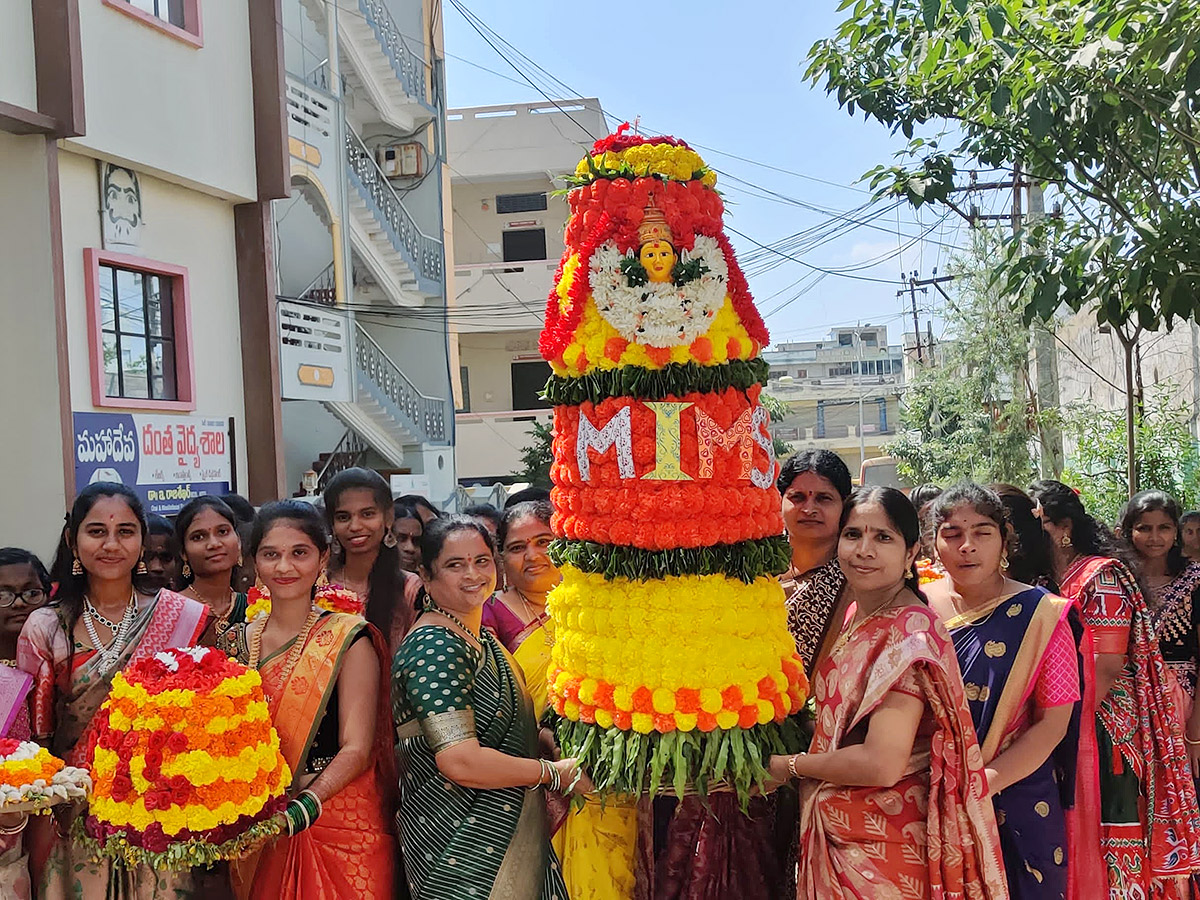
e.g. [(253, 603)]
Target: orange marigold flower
[(687, 700), (643, 700)]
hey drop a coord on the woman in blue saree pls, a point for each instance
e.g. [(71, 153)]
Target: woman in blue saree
[(1018, 648)]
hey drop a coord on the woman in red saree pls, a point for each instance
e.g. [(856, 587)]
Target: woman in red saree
[(323, 674), (1150, 827), (894, 801), (98, 624)]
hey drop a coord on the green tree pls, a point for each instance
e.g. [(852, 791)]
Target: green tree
[(1168, 459), (778, 411), (1096, 99), (969, 416), (536, 457)]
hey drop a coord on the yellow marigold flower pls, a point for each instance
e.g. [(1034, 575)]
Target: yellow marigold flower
[(766, 712), (643, 723), (685, 721), (664, 701), (604, 718), (587, 691), (571, 710), (622, 698), (710, 700), (727, 719)]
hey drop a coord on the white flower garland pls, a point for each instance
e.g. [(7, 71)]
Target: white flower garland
[(68, 783), (660, 315)]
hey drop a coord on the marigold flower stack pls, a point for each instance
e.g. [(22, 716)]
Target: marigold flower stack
[(187, 768), (672, 665)]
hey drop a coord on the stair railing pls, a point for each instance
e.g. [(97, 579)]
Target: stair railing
[(427, 414), (323, 288), (350, 451), (424, 251)]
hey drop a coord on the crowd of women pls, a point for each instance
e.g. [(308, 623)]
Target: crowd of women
[(1003, 694)]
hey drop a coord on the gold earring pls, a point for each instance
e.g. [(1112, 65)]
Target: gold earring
[(186, 570), (239, 562), (1064, 541), (141, 567), (323, 581), (1004, 562), (389, 539), (77, 567)]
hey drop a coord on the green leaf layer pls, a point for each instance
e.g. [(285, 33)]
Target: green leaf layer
[(745, 560), (628, 763), (673, 380)]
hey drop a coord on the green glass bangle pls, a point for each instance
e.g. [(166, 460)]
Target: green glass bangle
[(311, 804), (297, 817)]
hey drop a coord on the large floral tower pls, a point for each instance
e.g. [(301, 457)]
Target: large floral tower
[(672, 665)]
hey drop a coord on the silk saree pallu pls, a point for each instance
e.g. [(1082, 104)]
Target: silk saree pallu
[(933, 834), (68, 690), (1014, 653), (1150, 830), (350, 850), (455, 840)]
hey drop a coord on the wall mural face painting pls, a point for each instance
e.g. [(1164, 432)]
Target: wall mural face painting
[(121, 215)]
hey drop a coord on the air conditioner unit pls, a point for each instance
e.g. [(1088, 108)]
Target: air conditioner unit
[(400, 160)]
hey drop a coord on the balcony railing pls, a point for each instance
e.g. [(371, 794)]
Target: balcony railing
[(424, 252), (409, 67), (427, 414)]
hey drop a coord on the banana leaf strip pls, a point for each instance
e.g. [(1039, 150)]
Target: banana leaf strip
[(672, 380), (631, 764), (745, 560)]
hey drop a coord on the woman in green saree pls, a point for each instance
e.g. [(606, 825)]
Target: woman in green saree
[(472, 821)]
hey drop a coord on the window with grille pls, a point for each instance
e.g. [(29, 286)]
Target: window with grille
[(138, 334), (519, 203)]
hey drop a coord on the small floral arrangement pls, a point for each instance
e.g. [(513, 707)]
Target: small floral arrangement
[(29, 773), (330, 597), (928, 571), (335, 598), (624, 155), (187, 767)]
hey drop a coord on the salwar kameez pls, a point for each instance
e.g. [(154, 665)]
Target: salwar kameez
[(1150, 826)]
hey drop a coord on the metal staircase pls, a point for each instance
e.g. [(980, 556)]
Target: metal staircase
[(390, 413)]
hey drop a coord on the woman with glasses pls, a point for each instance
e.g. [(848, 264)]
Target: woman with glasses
[(24, 586)]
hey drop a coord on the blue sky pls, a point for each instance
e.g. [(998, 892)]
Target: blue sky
[(733, 82)]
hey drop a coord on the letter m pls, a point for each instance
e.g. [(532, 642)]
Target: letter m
[(618, 432)]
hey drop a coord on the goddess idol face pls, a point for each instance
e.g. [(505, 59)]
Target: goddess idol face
[(658, 259)]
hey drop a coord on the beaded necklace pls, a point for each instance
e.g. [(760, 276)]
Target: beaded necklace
[(120, 631)]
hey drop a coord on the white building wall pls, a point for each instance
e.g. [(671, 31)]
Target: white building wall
[(18, 81), (163, 106), (185, 228), (31, 456)]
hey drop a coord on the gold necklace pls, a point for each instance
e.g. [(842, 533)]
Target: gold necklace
[(845, 636), (222, 618), (293, 656), (547, 634)]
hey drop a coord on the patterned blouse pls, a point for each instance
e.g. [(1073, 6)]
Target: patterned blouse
[(1175, 613), (811, 600)]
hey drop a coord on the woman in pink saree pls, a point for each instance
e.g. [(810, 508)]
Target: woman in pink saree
[(894, 802), (98, 624)]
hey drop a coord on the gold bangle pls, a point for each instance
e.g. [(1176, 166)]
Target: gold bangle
[(792, 764)]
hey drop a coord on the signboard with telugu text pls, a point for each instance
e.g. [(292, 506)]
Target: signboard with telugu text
[(166, 459)]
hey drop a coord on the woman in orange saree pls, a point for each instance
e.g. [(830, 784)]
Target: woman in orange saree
[(894, 801), (322, 673)]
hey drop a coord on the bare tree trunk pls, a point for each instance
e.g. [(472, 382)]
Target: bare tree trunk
[(1129, 345)]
